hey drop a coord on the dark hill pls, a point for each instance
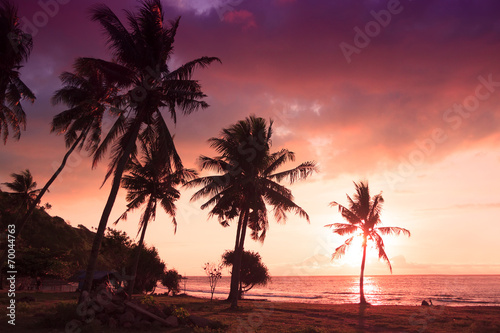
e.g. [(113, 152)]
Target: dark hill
[(49, 246)]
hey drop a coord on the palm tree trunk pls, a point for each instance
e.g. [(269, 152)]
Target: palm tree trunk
[(235, 275), (135, 264), (21, 223), (96, 245), (362, 299), (236, 246)]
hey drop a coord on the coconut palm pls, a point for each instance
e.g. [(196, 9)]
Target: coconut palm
[(15, 48), (150, 181), (86, 95), (363, 217), (140, 54), (24, 188), (247, 182)]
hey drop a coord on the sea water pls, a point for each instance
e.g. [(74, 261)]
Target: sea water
[(450, 290)]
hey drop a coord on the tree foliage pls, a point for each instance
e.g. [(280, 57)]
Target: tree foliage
[(253, 270), (172, 281), (24, 188), (15, 49), (214, 274), (247, 183), (141, 51), (150, 270)]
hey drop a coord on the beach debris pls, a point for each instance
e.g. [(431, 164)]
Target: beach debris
[(113, 310)]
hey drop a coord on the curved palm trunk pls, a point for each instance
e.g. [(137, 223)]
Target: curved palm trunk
[(235, 275), (362, 299), (135, 264), (96, 245), (21, 223)]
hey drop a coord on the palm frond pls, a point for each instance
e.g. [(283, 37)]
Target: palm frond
[(185, 72), (303, 171), (393, 231), (379, 243), (343, 228), (340, 251)]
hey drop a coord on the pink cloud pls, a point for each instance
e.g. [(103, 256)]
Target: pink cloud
[(243, 17)]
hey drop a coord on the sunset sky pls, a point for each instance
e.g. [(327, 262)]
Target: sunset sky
[(404, 94)]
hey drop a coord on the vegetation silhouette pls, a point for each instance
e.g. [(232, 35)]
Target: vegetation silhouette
[(151, 180), (214, 274), (24, 190), (172, 281), (86, 95), (253, 272), (15, 49), (248, 181), (147, 85), (363, 217)]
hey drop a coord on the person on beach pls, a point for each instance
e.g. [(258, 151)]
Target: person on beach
[(425, 303)]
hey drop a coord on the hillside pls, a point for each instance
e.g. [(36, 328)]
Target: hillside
[(48, 245)]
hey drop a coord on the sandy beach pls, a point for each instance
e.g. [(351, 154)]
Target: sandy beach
[(48, 312)]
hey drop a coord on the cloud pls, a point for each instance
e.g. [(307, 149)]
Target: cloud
[(243, 17)]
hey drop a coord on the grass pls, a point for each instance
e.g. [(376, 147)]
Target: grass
[(51, 311)]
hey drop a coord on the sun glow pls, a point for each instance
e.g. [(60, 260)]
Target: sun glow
[(354, 254)]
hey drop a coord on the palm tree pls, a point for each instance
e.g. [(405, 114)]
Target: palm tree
[(150, 181), (15, 48), (140, 55), (87, 95), (24, 188), (363, 217), (247, 182)]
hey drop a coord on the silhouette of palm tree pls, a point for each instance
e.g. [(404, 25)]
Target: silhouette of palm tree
[(363, 217), (140, 66), (150, 181), (247, 182), (24, 188), (86, 95), (15, 48)]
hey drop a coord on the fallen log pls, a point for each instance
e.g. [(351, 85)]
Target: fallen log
[(147, 313)]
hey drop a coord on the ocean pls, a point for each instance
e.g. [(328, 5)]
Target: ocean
[(449, 290)]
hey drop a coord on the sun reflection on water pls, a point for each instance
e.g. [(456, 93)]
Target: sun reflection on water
[(371, 288)]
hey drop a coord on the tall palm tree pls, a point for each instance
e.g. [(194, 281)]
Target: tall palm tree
[(247, 182), (150, 181), (363, 217), (87, 96), (15, 48), (140, 54), (24, 188)]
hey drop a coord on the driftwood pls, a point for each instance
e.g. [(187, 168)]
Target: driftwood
[(146, 313)]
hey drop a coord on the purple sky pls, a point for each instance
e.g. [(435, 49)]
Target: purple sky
[(415, 109)]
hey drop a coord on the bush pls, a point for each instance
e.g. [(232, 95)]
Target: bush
[(172, 280)]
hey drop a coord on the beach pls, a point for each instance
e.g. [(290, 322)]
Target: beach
[(49, 312)]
